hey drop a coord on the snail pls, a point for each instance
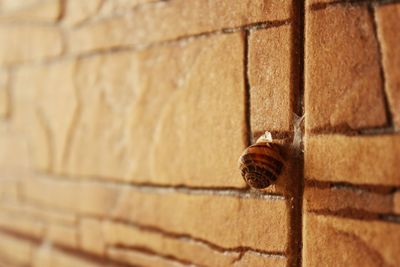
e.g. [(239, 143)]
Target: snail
[(261, 163)]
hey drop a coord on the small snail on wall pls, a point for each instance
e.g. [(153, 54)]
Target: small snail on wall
[(262, 163)]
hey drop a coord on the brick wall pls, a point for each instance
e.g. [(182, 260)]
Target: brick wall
[(121, 123)]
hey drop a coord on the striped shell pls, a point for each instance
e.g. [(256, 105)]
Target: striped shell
[(261, 164)]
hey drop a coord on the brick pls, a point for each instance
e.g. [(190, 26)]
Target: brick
[(20, 43), (342, 70), (77, 12), (397, 202), (186, 250), (39, 213), (8, 189), (14, 154), (257, 259), (349, 242), (193, 209), (53, 111), (162, 102), (86, 198), (91, 236), (64, 235), (387, 17), (163, 21), (189, 211), (271, 90), (47, 256), (21, 224), (355, 159), (137, 258), (4, 95), (30, 11), (343, 199), (121, 6), (14, 250)]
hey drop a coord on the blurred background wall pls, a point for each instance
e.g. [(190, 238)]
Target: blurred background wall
[(122, 121)]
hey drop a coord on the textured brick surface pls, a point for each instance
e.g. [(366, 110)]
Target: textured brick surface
[(358, 159), (30, 11), (22, 43), (122, 203), (271, 91), (15, 251), (166, 108), (164, 21), (387, 17), (4, 94), (342, 71), (348, 242), (77, 12)]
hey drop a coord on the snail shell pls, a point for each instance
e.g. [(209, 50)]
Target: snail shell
[(261, 163)]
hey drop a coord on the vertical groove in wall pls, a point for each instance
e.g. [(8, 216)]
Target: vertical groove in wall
[(389, 116), (247, 135), (296, 201)]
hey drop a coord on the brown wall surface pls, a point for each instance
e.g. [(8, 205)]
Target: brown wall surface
[(122, 122)]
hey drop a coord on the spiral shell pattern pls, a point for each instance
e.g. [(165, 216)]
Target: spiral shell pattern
[(261, 164)]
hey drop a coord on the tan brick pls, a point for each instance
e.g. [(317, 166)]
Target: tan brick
[(14, 154), (47, 256), (348, 242), (121, 6), (14, 250), (39, 213), (271, 90), (78, 11), (53, 111), (8, 189), (22, 10), (354, 159), (91, 236), (397, 202), (137, 258), (22, 43), (62, 235), (184, 249), (86, 198), (163, 21), (342, 71), (21, 224), (256, 259), (387, 17), (138, 109), (5, 105), (342, 199), (190, 210)]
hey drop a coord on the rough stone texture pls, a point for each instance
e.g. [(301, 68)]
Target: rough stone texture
[(348, 242), (162, 102), (21, 43), (345, 199), (14, 250), (91, 236), (46, 256), (163, 21), (78, 12), (354, 159), (138, 258), (64, 235), (30, 11), (188, 250), (271, 90), (188, 216), (397, 202), (5, 104), (387, 17), (51, 111), (342, 70), (255, 259)]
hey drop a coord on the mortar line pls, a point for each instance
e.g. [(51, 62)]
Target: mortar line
[(247, 133)]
